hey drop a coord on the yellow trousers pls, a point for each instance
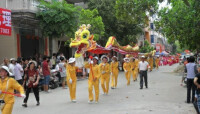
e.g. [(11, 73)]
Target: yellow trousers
[(94, 84), (151, 65), (105, 79), (128, 76), (157, 66), (114, 79), (72, 89), (135, 72), (7, 109)]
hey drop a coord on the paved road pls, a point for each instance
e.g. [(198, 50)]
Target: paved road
[(164, 96)]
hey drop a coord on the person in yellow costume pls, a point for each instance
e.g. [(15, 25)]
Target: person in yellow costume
[(157, 62), (8, 85), (93, 80), (114, 72), (132, 62), (71, 78), (105, 74), (136, 69), (127, 69), (151, 63)]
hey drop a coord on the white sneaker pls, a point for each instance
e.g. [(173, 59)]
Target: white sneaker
[(103, 93), (96, 102), (74, 101), (90, 101)]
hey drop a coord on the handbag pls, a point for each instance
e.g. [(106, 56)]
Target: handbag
[(2, 102)]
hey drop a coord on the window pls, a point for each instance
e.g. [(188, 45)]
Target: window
[(152, 38), (152, 26)]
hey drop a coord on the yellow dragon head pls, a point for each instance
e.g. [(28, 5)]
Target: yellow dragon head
[(83, 41)]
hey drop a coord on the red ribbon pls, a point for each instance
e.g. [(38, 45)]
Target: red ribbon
[(18, 95)]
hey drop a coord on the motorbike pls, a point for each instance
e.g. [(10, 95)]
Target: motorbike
[(54, 80)]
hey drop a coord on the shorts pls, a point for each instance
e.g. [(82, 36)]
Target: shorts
[(63, 79), (46, 80)]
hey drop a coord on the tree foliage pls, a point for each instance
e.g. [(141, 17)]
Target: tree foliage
[(57, 18), (146, 48), (92, 17), (135, 11), (125, 32), (182, 23)]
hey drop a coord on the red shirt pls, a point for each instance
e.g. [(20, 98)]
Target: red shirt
[(32, 77), (45, 69)]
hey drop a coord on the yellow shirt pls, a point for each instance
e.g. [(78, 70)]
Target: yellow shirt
[(136, 63), (127, 66), (150, 60), (105, 68), (12, 85), (132, 65), (114, 67), (71, 72), (95, 69), (157, 60)]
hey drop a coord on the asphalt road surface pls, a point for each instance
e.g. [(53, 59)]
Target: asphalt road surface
[(164, 96)]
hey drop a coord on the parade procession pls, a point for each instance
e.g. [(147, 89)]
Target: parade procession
[(99, 56)]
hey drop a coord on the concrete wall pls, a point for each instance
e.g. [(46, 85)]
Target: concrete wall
[(8, 45)]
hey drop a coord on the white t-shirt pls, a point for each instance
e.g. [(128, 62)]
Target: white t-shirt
[(11, 68), (18, 71), (143, 65), (62, 69)]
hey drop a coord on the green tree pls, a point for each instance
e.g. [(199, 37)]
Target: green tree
[(92, 17), (124, 32), (146, 48), (135, 11), (57, 19), (181, 23)]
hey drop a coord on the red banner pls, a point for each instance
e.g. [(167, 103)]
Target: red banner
[(5, 22)]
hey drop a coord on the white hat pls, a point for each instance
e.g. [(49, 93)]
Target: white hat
[(104, 56), (126, 59), (12, 59), (6, 68), (32, 62), (96, 58), (143, 56), (71, 60), (114, 57)]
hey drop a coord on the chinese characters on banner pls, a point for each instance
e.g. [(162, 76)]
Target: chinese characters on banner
[(5, 22)]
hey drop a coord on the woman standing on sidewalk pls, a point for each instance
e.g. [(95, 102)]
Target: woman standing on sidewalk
[(8, 85), (71, 78), (32, 80), (62, 70), (105, 74), (114, 72)]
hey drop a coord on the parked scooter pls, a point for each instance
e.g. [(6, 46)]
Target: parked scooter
[(54, 80)]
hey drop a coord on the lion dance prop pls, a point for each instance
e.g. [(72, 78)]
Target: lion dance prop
[(83, 41)]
